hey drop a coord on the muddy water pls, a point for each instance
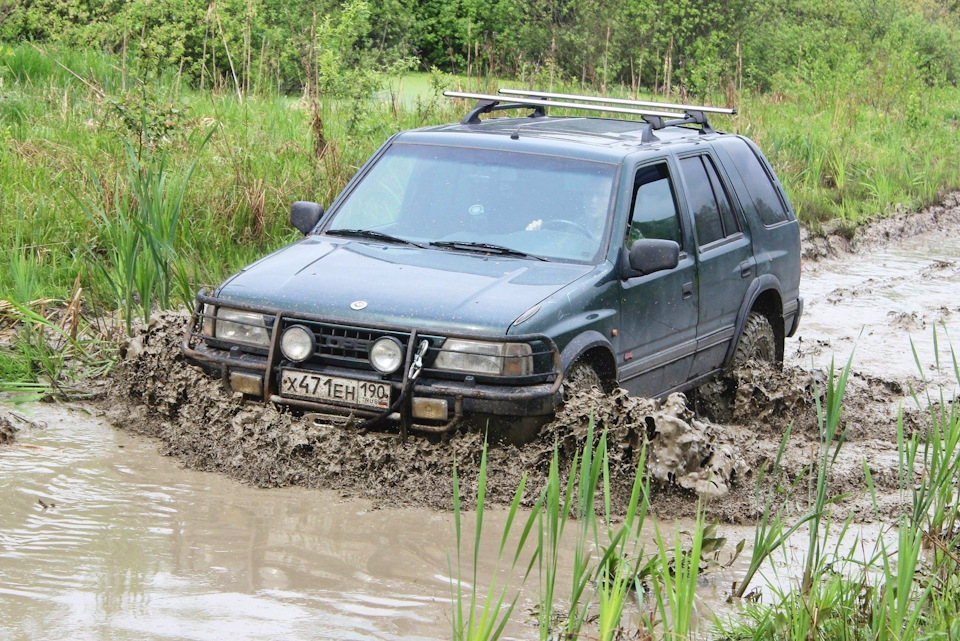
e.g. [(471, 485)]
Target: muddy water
[(103, 538), (876, 302), (132, 546)]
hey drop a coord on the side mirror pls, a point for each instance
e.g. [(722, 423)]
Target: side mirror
[(649, 255), (305, 215)]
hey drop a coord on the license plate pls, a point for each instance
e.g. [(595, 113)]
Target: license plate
[(313, 386)]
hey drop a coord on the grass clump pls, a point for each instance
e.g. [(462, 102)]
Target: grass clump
[(902, 585)]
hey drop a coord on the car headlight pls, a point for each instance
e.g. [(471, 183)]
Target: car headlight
[(483, 357), (241, 327), (386, 355), (297, 343)]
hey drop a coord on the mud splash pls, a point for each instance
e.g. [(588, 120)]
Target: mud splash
[(689, 455), (155, 392)]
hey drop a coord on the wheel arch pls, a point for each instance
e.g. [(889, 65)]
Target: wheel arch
[(593, 348)]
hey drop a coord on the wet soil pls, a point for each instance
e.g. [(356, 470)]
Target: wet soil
[(12, 422), (897, 275), (8, 431), (839, 241)]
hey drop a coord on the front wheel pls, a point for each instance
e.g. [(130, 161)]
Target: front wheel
[(580, 377)]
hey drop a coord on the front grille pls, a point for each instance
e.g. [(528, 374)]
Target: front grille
[(345, 344)]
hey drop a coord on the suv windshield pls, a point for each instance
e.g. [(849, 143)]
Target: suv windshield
[(543, 206)]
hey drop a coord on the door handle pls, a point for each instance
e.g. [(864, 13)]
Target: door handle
[(687, 291), (746, 268)]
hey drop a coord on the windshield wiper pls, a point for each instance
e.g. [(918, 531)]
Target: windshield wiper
[(371, 234), (484, 248)]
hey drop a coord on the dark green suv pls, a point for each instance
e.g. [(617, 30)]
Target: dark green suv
[(467, 269)]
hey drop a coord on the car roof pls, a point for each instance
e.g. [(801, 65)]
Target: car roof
[(597, 139)]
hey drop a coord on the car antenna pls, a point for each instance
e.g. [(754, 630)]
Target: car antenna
[(516, 134)]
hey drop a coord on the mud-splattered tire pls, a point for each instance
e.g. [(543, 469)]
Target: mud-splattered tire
[(757, 342), (581, 376), (716, 397)]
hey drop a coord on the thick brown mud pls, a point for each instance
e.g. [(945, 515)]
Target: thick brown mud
[(864, 296), (688, 455)]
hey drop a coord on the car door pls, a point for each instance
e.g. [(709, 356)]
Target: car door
[(657, 332), (725, 262)]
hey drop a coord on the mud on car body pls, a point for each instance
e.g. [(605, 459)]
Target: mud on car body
[(467, 269)]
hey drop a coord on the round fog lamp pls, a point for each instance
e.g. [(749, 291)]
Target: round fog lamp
[(386, 355), (297, 343)]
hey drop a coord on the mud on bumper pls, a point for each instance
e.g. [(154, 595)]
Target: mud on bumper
[(431, 400)]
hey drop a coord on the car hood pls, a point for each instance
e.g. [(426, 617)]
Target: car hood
[(426, 289)]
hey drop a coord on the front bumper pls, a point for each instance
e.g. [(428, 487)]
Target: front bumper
[(432, 401)]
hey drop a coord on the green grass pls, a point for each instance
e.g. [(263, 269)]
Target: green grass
[(902, 585)]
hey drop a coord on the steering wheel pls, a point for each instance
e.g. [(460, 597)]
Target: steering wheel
[(562, 224)]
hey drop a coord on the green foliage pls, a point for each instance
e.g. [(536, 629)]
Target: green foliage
[(152, 120), (696, 47), (478, 617), (140, 238)]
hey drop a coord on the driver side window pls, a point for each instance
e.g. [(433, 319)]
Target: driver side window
[(654, 213)]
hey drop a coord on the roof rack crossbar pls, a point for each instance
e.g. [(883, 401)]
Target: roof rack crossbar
[(619, 101), (521, 103)]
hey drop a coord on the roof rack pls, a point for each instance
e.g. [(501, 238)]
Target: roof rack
[(680, 114)]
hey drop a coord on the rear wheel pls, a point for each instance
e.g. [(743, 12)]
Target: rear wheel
[(757, 342), (716, 397)]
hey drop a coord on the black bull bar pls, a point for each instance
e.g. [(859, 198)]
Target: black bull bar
[(541, 385)]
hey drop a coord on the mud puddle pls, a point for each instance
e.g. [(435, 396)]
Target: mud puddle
[(882, 305), (104, 538)]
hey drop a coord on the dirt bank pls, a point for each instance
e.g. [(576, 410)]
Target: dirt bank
[(840, 240)]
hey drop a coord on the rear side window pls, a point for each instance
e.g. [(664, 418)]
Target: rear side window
[(766, 198), (654, 213), (713, 216)]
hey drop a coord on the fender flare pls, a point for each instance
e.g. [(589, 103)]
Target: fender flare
[(760, 285), (584, 342)]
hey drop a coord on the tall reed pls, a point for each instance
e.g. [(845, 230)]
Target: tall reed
[(480, 617), (138, 226)]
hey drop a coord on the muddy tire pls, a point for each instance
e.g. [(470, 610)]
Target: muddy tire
[(757, 342), (580, 377), (715, 398)]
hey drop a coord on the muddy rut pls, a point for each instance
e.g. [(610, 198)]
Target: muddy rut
[(900, 270)]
